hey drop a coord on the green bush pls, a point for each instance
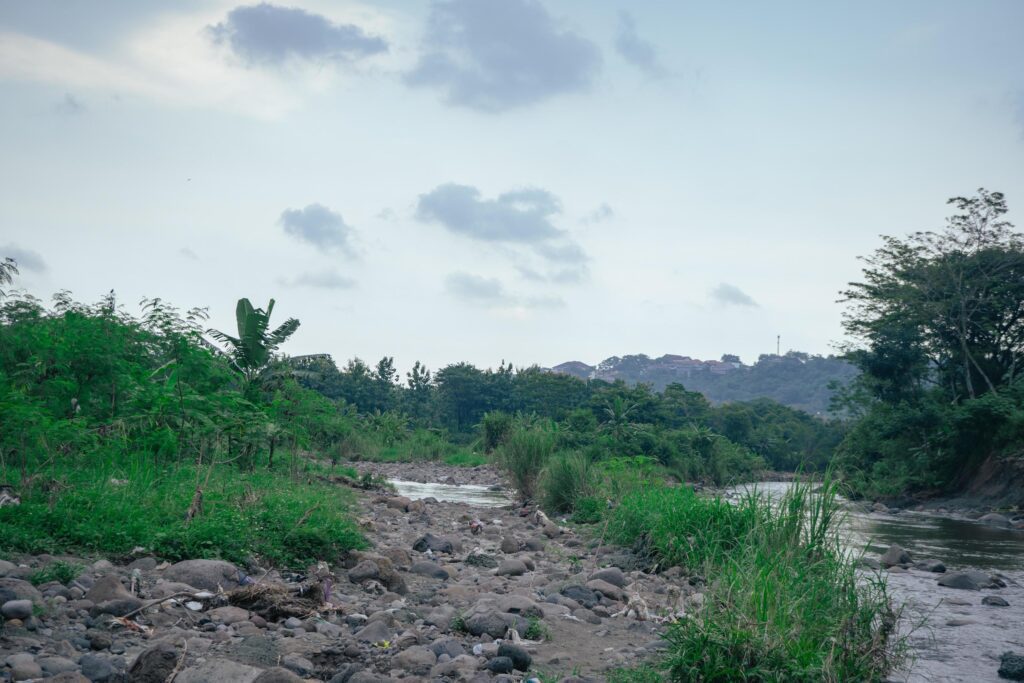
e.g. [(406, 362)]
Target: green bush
[(524, 455), (566, 479), (496, 426)]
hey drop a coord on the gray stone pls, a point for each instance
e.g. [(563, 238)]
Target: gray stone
[(972, 579), (17, 609), (511, 567), (581, 594), (228, 615), (994, 601), (433, 543), (491, 623), (431, 569), (521, 659), (205, 574), (374, 632), (298, 664), (895, 556), (931, 566), (416, 659), (96, 668), (1011, 666), (56, 665), (612, 575), (500, 665), (345, 673), (606, 589), (364, 571), (24, 667), (509, 545), (21, 590), (277, 675), (155, 664), (219, 671), (995, 519)]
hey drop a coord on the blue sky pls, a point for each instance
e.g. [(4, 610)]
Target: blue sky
[(498, 179)]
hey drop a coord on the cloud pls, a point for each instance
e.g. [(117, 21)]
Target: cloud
[(495, 55), (327, 279), (272, 35), (640, 53), (731, 295), (564, 276), (567, 252), (476, 289), (319, 226), (519, 216), (601, 213), (26, 258), (185, 252), (70, 105)]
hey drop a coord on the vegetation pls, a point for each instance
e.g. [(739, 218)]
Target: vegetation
[(939, 326), (782, 600)]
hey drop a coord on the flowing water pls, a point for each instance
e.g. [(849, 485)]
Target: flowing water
[(954, 638)]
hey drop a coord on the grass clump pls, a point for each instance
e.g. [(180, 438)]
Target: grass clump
[(465, 459), (111, 507), (783, 601), (537, 630), (60, 571), (524, 455)]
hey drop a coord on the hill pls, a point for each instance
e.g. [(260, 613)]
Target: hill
[(796, 379)]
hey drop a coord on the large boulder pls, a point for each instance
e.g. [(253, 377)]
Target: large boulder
[(581, 594), (895, 556), (219, 670), (154, 665), (364, 571), (416, 660), (511, 567), (491, 623), (433, 543), (277, 675), (208, 575), (612, 575), (606, 589), (1011, 666), (111, 597), (431, 569), (16, 589), (971, 579), (521, 659)]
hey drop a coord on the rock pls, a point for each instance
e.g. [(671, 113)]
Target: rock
[(431, 569), (972, 579), (491, 623), (880, 508), (400, 503), (154, 665), (277, 675), (994, 601), (440, 616), (500, 665), (511, 567), (416, 659), (521, 659), (24, 667), (7, 567), (16, 609), (612, 575), (68, 677), (894, 556), (219, 670), (433, 543), (228, 615), (520, 604), (606, 589), (205, 574), (96, 668), (20, 590), (345, 673), (509, 545), (580, 594), (374, 632), (482, 560), (930, 566), (1011, 666), (551, 530), (365, 570), (535, 545), (870, 563), (995, 519), (56, 665), (298, 664)]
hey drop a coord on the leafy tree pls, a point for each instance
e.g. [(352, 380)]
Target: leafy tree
[(8, 269), (253, 349)]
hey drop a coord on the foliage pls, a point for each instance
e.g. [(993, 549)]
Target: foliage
[(567, 478), (939, 325), (252, 350), (524, 456), (59, 571)]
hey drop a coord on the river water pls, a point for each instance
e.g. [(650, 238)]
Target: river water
[(953, 637)]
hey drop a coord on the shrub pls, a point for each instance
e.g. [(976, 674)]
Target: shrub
[(496, 427), (524, 455), (566, 479)]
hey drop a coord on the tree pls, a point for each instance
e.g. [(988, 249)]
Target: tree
[(8, 269), (253, 349)]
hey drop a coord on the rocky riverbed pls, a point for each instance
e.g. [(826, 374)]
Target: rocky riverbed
[(447, 592)]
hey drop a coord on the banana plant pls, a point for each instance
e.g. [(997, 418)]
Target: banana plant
[(253, 349)]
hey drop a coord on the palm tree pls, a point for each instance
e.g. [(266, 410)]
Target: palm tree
[(253, 349), (618, 422), (8, 269)]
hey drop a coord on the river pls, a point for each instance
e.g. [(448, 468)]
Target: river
[(953, 637)]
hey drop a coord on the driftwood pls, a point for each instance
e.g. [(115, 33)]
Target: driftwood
[(274, 601)]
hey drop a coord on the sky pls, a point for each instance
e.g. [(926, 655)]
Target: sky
[(534, 181)]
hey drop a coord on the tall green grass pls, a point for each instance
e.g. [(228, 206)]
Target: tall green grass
[(782, 602), (112, 505), (524, 455)]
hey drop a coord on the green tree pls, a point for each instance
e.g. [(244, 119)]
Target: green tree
[(253, 349), (8, 269)]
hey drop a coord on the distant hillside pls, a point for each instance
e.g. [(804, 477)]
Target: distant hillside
[(796, 379)]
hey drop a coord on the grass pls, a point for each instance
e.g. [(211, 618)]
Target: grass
[(782, 602), (60, 571), (465, 459), (111, 506), (523, 456)]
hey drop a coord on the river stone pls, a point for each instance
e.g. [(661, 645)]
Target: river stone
[(931, 566), (416, 659), (400, 503), (509, 545), (994, 601), (521, 659), (374, 632), (431, 569), (434, 543), (154, 665), (228, 615), (21, 590), (612, 575), (16, 609), (219, 670), (894, 556), (971, 579), (511, 567), (277, 675), (1011, 666), (54, 665), (24, 667), (606, 589), (96, 668), (580, 594), (500, 665), (491, 623), (365, 570), (995, 519), (204, 574), (482, 560)]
